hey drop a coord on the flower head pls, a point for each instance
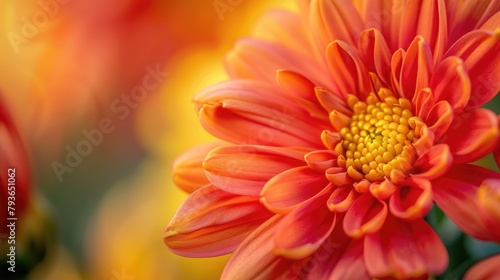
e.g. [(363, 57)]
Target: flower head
[(342, 125)]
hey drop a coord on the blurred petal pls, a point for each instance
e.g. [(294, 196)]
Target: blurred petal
[(246, 169), (486, 269), (189, 174), (488, 196), (455, 193), (335, 20), (212, 222)]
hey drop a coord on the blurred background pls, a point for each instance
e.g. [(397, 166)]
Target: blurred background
[(100, 94)]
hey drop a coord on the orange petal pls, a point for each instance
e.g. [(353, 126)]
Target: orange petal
[(303, 230), (451, 82), (212, 222), (480, 52), (433, 26), (472, 135), (330, 139), (439, 118), (341, 199), (375, 53), (251, 112), (335, 20), (417, 68), (471, 15), (488, 196), (486, 269), (302, 90), (245, 169), (189, 174), (382, 190), (255, 256), (412, 200), (288, 190), (351, 265), (259, 60), (321, 160), (396, 67), (433, 163), (455, 193), (366, 215), (349, 71), (338, 176), (423, 101), (404, 250), (332, 101), (496, 152), (339, 120)]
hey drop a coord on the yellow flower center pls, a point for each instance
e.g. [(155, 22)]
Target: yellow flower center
[(379, 137)]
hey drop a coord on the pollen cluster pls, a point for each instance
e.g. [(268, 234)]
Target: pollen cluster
[(379, 137)]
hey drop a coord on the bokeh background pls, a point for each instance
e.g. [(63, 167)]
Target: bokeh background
[(67, 66)]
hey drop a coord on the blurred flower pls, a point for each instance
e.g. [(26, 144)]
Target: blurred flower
[(14, 171), (488, 196), (488, 269), (328, 172)]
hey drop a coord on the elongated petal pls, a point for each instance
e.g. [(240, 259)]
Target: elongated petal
[(480, 52), (251, 112), (348, 69), (341, 199), (472, 15), (411, 251), (255, 255), (440, 118), (433, 163), (289, 189), (455, 193), (472, 135), (321, 160), (189, 174), (413, 200), (366, 215), (451, 82), (332, 101), (303, 230), (335, 20), (417, 68), (423, 101), (302, 90), (245, 169), (485, 269), (433, 26), (375, 53), (212, 222), (259, 60), (488, 196)]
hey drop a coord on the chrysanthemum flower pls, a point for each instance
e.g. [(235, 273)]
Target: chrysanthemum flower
[(342, 125)]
